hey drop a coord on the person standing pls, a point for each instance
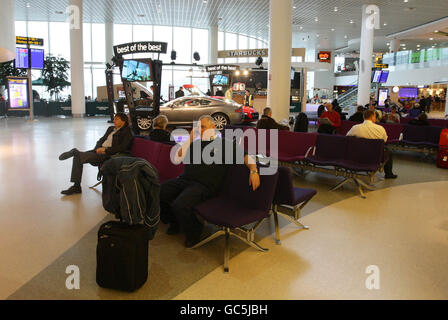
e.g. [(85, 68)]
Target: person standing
[(248, 99), (180, 93), (229, 93)]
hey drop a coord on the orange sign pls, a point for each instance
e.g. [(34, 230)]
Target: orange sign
[(324, 56)]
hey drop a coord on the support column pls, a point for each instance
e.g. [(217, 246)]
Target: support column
[(365, 67), (213, 45), (446, 105), (280, 47), (394, 45), (7, 34), (109, 41), (77, 59)]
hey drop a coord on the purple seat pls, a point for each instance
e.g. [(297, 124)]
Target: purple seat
[(363, 155), (393, 131), (237, 206), (289, 201), (345, 127), (329, 150), (421, 136), (293, 146)]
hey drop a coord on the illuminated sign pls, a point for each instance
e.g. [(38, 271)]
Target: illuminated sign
[(18, 93), (221, 67), (29, 40), (380, 66), (243, 53), (324, 56), (140, 47)]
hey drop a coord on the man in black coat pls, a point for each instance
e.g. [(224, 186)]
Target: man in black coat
[(266, 121), (159, 132), (179, 93), (116, 140)]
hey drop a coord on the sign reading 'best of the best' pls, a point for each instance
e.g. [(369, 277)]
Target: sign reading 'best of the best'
[(140, 47), (221, 67)]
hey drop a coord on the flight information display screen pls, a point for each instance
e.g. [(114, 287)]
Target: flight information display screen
[(22, 60), (37, 58)]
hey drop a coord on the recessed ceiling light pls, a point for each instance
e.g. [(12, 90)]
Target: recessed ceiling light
[(204, 1), (351, 21), (436, 31), (406, 0), (301, 28), (431, 39), (332, 29), (317, 35), (388, 43), (345, 37), (316, 19), (335, 9), (294, 7), (28, 5), (385, 24), (403, 45)]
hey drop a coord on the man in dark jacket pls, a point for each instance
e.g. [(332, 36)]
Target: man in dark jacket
[(159, 132), (358, 116), (116, 140), (179, 93), (266, 121)]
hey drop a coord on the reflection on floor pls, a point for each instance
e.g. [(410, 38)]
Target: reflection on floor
[(43, 232)]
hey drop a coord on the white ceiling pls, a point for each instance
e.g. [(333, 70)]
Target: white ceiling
[(249, 16)]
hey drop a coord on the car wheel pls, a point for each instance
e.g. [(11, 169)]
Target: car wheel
[(221, 121), (144, 123)]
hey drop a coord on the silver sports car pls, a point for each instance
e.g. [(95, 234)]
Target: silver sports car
[(185, 110)]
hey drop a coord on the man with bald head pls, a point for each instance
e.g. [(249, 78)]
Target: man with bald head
[(206, 158), (334, 120)]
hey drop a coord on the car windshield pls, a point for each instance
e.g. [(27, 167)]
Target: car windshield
[(191, 90)]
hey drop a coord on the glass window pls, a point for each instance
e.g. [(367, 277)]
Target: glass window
[(39, 29), (122, 33), (164, 34), (142, 33), (252, 45), (87, 82), (182, 45), (98, 42), (60, 39), (220, 40), (20, 27), (200, 44), (98, 79), (231, 44), (242, 44), (87, 42)]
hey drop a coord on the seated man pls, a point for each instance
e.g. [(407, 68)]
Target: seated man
[(116, 140), (392, 117), (334, 120), (266, 121), (370, 130), (201, 179), (378, 113), (358, 116), (159, 132), (421, 120)]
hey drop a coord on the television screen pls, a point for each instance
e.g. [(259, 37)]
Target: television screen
[(377, 76), (220, 80), (134, 70), (18, 93), (37, 58), (22, 58), (383, 94), (384, 76), (408, 93)]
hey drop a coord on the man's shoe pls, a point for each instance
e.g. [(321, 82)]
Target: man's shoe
[(68, 154), (173, 229), (71, 190), (391, 176)]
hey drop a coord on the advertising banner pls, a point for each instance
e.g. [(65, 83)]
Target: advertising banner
[(18, 93)]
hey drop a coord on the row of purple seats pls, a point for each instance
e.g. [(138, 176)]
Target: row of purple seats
[(158, 154), (393, 130), (421, 136), (240, 210), (433, 122)]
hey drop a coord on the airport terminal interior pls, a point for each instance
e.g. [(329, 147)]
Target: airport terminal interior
[(339, 109)]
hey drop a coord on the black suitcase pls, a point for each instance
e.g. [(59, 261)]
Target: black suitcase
[(122, 256)]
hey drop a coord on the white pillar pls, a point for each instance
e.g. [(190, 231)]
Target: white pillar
[(7, 34), (394, 45), (109, 41), (213, 45), (77, 61), (365, 67), (280, 46), (446, 104)]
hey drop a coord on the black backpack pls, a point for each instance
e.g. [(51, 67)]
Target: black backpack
[(301, 124)]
